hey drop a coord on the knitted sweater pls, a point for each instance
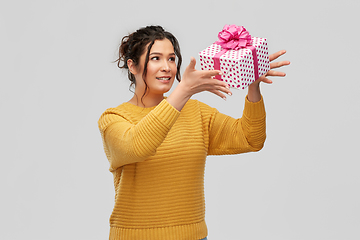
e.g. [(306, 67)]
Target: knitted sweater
[(157, 157)]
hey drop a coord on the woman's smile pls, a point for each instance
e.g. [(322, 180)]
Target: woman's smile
[(164, 79)]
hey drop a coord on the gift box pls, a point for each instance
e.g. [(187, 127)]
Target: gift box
[(240, 57)]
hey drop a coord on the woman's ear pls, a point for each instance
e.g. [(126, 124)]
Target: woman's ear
[(131, 66)]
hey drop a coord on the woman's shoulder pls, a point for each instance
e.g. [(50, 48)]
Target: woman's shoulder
[(126, 108), (122, 112), (118, 110)]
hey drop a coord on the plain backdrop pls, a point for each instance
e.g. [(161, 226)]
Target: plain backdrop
[(58, 76)]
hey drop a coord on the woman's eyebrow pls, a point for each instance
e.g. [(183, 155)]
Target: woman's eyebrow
[(158, 53)]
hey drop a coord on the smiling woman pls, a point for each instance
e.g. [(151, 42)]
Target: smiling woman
[(161, 72), (134, 53), (157, 146)]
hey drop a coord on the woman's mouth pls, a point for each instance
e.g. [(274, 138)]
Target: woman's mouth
[(165, 79)]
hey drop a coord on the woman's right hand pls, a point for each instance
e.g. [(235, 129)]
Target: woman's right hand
[(195, 81)]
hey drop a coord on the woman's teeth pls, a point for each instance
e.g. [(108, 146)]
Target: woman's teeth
[(163, 78)]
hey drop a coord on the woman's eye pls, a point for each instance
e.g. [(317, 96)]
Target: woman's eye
[(155, 58), (172, 59)]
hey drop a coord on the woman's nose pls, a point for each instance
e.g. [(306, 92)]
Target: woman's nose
[(166, 67)]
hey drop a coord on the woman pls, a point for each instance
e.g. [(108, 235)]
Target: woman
[(157, 146)]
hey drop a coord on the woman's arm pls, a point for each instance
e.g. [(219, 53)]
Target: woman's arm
[(227, 135), (126, 143), (232, 136)]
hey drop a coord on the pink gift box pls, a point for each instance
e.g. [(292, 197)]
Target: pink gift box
[(237, 64)]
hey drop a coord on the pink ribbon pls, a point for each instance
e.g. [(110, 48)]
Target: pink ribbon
[(233, 37)]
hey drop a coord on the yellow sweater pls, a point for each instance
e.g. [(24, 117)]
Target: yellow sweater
[(157, 157)]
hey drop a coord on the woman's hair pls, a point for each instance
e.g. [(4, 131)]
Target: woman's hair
[(133, 46)]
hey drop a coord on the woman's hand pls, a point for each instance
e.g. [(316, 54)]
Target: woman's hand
[(254, 94), (273, 65), (195, 81)]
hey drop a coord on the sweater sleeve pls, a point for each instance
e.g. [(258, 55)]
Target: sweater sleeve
[(126, 143), (233, 136)]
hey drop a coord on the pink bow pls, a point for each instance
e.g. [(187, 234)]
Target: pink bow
[(234, 37)]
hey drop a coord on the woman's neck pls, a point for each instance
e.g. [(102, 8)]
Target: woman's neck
[(147, 101)]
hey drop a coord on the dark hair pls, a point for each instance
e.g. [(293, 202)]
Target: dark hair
[(133, 46)]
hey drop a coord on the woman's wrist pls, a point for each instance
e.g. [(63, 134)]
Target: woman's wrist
[(254, 94), (179, 97)]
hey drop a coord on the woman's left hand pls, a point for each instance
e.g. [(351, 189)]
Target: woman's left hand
[(273, 65), (254, 94)]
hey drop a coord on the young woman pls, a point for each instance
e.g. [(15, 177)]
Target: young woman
[(157, 146)]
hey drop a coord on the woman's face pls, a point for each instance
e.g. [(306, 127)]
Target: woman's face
[(161, 68)]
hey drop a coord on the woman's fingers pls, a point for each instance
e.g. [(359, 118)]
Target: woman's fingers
[(275, 73), (221, 86), (198, 81), (279, 64), (216, 86), (275, 65), (211, 73), (266, 80), (192, 63), (274, 56), (219, 93), (190, 71), (226, 89)]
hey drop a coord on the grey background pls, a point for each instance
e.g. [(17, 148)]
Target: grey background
[(57, 77)]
